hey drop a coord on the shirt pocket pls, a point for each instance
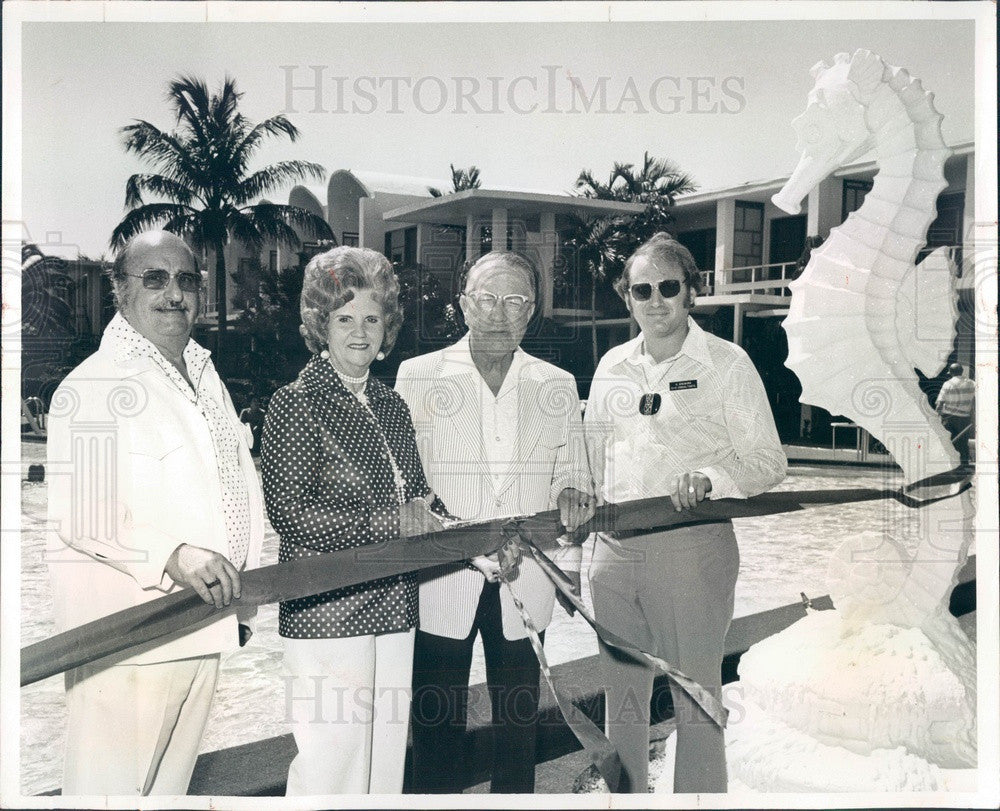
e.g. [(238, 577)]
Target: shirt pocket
[(553, 435)]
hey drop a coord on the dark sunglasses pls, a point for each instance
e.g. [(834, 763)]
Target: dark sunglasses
[(644, 290), (159, 278)]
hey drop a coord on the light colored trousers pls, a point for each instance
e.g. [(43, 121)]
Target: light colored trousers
[(670, 593), (348, 702), (136, 729)]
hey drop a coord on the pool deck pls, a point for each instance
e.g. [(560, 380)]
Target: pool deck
[(260, 768)]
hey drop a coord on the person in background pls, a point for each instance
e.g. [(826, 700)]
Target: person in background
[(253, 416), (501, 435), (341, 471), (158, 492), (955, 403), (678, 413)]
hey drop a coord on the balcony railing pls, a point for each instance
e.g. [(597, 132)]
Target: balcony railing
[(769, 279)]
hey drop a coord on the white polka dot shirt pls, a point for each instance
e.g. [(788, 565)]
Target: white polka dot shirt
[(329, 485)]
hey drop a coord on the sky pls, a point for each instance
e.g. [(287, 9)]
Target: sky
[(717, 98)]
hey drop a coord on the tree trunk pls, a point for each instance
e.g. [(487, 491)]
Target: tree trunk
[(222, 308), (593, 311)]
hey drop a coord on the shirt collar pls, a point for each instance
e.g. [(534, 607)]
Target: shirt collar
[(320, 374), (695, 346), (458, 361), (128, 345)]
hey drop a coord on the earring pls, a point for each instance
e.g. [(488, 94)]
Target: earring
[(380, 355), (325, 354)]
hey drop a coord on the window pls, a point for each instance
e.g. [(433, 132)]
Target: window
[(748, 235), (272, 261), (311, 249), (701, 243), (485, 239), (946, 230), (853, 196), (350, 238), (401, 246), (410, 246), (788, 238)]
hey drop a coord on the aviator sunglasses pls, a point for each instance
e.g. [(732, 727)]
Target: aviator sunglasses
[(158, 278), (644, 290)]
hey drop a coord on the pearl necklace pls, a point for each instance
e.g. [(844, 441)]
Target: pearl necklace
[(357, 381)]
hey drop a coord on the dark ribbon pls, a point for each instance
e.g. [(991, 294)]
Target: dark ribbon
[(134, 630), (595, 743)]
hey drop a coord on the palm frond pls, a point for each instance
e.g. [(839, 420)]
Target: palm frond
[(266, 180), (251, 141), (189, 98), (167, 152), (156, 184), (143, 219)]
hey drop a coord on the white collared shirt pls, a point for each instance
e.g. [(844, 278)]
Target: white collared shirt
[(498, 422), (713, 417)]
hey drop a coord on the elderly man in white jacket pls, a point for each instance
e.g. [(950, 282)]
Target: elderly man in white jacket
[(499, 434), (152, 489)]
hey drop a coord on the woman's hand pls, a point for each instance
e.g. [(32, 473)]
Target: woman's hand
[(488, 568), (416, 519)]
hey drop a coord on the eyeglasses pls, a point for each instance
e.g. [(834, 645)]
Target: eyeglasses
[(159, 279), (513, 303), (644, 290)]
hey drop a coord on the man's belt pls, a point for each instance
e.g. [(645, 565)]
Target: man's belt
[(141, 627)]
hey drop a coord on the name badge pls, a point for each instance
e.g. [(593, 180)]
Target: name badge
[(681, 385)]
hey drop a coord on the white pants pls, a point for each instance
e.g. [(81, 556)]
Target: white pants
[(348, 702), (136, 729)]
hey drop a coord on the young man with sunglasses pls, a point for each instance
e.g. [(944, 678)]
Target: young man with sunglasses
[(153, 489), (679, 413)]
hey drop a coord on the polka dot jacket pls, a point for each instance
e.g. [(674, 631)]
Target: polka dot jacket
[(328, 485)]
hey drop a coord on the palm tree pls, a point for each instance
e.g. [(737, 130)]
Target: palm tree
[(461, 179), (603, 243), (203, 172), (596, 242), (658, 179)]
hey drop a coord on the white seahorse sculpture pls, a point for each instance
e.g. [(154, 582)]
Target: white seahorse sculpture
[(879, 694)]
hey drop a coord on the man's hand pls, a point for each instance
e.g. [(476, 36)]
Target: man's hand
[(688, 489), (209, 573), (575, 508), (563, 599), (416, 519)]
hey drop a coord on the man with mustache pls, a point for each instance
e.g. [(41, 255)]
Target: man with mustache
[(152, 489)]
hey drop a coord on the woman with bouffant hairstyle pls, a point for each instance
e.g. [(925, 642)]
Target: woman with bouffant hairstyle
[(341, 470)]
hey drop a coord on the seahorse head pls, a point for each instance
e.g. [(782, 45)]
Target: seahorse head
[(833, 129)]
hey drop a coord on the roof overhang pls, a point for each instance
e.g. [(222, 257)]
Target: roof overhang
[(763, 189), (454, 209)]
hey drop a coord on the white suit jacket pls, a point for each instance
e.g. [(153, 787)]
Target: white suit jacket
[(440, 390), (132, 475)]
